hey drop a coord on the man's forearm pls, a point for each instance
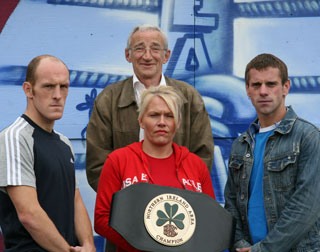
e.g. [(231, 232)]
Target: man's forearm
[(82, 223), (35, 219), (44, 232)]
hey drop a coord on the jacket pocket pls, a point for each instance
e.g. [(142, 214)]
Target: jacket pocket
[(236, 164), (282, 171)]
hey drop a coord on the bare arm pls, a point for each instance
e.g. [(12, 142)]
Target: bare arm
[(82, 224), (35, 220)]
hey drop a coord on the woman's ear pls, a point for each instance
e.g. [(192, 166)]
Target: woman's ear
[(141, 123), (178, 125)]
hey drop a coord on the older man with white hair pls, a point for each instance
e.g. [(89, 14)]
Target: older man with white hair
[(114, 119)]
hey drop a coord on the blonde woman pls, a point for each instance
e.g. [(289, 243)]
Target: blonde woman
[(155, 160)]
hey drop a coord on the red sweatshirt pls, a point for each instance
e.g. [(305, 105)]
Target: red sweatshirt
[(129, 165)]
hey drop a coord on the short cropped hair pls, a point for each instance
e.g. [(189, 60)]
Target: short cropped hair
[(168, 94), (265, 60), (148, 27), (33, 65)]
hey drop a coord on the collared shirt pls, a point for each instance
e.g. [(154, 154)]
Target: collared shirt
[(138, 88)]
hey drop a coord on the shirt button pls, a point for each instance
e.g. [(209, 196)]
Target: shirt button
[(244, 176), (289, 157), (248, 155), (242, 217), (242, 196)]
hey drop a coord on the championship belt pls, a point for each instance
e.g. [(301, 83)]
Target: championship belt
[(161, 218)]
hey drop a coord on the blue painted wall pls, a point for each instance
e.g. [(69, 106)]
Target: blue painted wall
[(211, 43)]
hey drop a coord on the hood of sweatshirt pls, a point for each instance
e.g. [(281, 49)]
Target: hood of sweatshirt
[(180, 152)]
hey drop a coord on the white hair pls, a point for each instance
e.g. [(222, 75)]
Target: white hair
[(148, 27)]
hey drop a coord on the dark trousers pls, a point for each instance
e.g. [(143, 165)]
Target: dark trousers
[(110, 247)]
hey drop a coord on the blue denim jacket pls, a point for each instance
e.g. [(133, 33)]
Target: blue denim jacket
[(291, 186)]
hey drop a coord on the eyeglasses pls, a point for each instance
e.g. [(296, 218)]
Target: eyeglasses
[(141, 50)]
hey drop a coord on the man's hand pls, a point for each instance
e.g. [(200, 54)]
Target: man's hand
[(244, 249), (84, 248), (82, 226), (75, 249)]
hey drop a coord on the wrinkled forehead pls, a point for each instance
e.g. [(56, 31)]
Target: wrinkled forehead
[(147, 38)]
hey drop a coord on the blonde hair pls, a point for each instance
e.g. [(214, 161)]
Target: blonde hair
[(168, 94)]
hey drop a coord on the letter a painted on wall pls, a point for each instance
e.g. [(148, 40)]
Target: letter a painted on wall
[(192, 63), (185, 58)]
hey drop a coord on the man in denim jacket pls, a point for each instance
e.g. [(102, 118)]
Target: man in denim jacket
[(274, 169)]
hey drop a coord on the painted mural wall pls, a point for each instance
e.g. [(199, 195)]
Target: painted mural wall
[(211, 43)]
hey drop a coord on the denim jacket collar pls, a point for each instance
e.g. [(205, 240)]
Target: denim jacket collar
[(287, 122), (284, 127)]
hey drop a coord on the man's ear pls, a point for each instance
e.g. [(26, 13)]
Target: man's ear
[(286, 87), (166, 56), (247, 90), (128, 55), (27, 88)]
